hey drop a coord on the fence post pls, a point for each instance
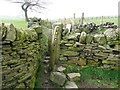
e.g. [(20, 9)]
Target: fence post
[(55, 45), (102, 20), (65, 21), (82, 19), (74, 17)]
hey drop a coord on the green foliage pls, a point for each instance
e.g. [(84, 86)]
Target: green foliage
[(49, 26), (71, 69), (55, 85), (91, 72), (99, 76), (39, 74), (102, 30)]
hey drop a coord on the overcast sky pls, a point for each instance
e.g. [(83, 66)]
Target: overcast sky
[(65, 8)]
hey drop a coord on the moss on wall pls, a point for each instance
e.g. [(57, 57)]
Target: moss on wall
[(21, 52)]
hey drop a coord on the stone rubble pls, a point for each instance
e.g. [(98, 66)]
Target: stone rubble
[(71, 84), (61, 69), (58, 78)]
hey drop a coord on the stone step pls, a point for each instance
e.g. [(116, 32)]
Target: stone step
[(61, 69), (46, 61), (47, 58)]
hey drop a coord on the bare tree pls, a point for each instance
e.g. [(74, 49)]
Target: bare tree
[(33, 5)]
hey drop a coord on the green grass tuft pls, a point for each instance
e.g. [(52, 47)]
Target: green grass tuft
[(101, 74)]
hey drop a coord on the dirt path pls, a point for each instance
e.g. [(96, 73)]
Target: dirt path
[(46, 74)]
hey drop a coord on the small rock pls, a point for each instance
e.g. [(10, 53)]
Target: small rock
[(71, 84), (60, 69), (70, 53), (46, 61), (45, 72), (102, 47), (100, 38), (68, 45), (83, 37), (63, 58), (11, 32), (47, 57), (72, 36), (107, 46), (89, 38), (73, 58), (73, 76), (58, 78), (46, 82), (111, 34)]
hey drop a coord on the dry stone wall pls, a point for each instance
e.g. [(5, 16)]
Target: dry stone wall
[(87, 49), (21, 52)]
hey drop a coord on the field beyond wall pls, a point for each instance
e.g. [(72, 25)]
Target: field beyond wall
[(23, 24)]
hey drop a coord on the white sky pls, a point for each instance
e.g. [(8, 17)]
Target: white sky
[(65, 8)]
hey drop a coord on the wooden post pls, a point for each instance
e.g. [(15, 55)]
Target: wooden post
[(74, 18), (65, 21), (55, 45), (82, 19), (102, 20)]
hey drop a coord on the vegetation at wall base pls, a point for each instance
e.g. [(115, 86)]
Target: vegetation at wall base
[(39, 74), (92, 77)]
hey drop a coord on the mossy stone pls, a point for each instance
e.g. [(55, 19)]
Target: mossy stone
[(70, 53)]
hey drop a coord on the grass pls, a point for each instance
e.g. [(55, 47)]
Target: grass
[(40, 72), (23, 24), (17, 23), (100, 76), (96, 77)]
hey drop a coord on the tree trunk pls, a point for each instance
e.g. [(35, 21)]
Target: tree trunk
[(26, 15)]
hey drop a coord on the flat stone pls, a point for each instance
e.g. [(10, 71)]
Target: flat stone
[(74, 48), (112, 58), (69, 45), (107, 46), (73, 58), (46, 61), (70, 53), (79, 44), (72, 36), (63, 58), (63, 41), (101, 54), (58, 78), (71, 84), (61, 68), (74, 76), (101, 47)]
